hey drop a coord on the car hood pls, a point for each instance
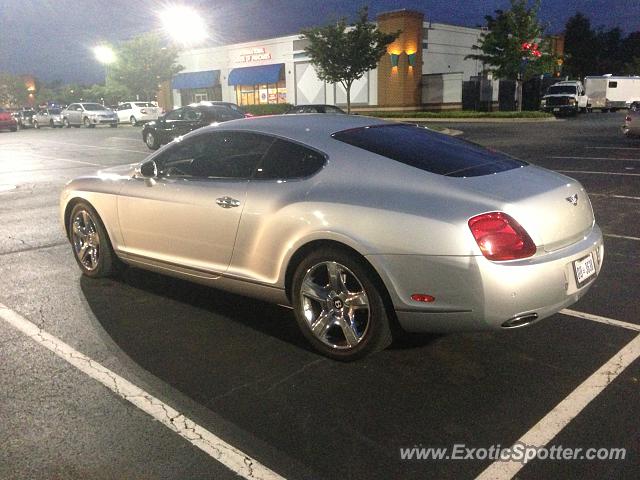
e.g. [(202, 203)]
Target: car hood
[(560, 95), (127, 170)]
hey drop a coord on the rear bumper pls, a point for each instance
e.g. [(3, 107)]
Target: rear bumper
[(473, 293), (8, 124)]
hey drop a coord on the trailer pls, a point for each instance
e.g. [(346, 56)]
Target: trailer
[(609, 93)]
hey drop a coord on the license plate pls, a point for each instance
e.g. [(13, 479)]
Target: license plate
[(584, 269), (556, 109)]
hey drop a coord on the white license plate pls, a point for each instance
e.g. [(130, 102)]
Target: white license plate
[(585, 268), (556, 109)]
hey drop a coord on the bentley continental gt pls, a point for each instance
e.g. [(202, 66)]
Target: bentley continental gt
[(363, 227)]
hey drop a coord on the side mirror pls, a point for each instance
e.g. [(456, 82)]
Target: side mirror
[(148, 169)]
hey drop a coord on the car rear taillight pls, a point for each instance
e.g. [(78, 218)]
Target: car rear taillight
[(627, 118), (500, 237)]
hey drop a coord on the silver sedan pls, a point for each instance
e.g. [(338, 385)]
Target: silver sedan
[(364, 227)]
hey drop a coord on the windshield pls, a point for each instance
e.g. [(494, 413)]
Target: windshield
[(92, 107), (561, 89)]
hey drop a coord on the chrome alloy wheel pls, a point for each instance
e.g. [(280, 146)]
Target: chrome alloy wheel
[(150, 140), (86, 241), (335, 305)]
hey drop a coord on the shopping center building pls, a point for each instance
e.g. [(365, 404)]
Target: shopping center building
[(423, 69)]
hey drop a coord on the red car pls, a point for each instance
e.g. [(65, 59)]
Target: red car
[(7, 120)]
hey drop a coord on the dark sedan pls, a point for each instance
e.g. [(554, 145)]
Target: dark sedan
[(183, 120)]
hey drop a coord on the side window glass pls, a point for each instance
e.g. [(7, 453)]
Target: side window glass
[(288, 160), (217, 155), (174, 115), (192, 115)]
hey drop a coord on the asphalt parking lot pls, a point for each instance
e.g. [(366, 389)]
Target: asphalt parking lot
[(261, 402)]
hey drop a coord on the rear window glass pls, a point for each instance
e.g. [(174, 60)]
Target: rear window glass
[(143, 104), (429, 151)]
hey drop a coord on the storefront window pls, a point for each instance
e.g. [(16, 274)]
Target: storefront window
[(261, 94)]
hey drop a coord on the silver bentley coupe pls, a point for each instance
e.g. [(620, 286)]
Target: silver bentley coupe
[(364, 227)]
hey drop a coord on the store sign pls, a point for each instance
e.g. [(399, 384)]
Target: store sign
[(255, 55)]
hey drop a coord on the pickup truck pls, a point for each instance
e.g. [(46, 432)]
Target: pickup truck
[(566, 98)]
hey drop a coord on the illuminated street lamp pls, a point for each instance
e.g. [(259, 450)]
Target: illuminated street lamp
[(104, 54), (184, 25)]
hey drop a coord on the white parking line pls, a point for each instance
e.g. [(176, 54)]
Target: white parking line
[(614, 148), (558, 418), (96, 146), (626, 197), (237, 461), (625, 237), (599, 158), (599, 173), (598, 318), (64, 159)]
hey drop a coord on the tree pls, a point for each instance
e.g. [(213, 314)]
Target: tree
[(579, 47), (632, 67), (141, 65), (514, 47), (13, 91), (342, 54)]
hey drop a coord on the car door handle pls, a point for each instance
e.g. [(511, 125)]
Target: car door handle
[(227, 202)]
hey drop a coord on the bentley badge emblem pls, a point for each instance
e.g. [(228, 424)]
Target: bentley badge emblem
[(573, 199)]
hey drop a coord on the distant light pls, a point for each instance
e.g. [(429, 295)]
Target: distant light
[(104, 54), (184, 24)]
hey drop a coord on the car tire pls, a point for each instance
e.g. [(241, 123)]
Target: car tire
[(90, 243), (13, 129), (51, 124), (87, 123), (151, 141), (65, 123), (133, 121), (339, 306), (113, 125), (36, 125)]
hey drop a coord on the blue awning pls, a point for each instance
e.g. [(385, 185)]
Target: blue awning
[(196, 80), (256, 75)]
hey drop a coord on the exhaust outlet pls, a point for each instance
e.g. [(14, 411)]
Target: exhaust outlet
[(520, 320)]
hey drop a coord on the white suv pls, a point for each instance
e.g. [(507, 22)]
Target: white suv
[(138, 112)]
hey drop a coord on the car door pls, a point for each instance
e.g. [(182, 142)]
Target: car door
[(189, 214), (123, 113), (172, 124), (192, 119), (75, 115)]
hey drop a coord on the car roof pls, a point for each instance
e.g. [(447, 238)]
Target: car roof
[(313, 129)]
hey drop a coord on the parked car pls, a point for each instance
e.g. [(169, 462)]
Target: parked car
[(7, 121), (362, 226), (183, 120), (315, 109), (24, 117), (631, 127), (48, 117), (137, 112), (89, 115)]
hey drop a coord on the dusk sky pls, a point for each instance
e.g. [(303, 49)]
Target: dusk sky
[(52, 39)]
